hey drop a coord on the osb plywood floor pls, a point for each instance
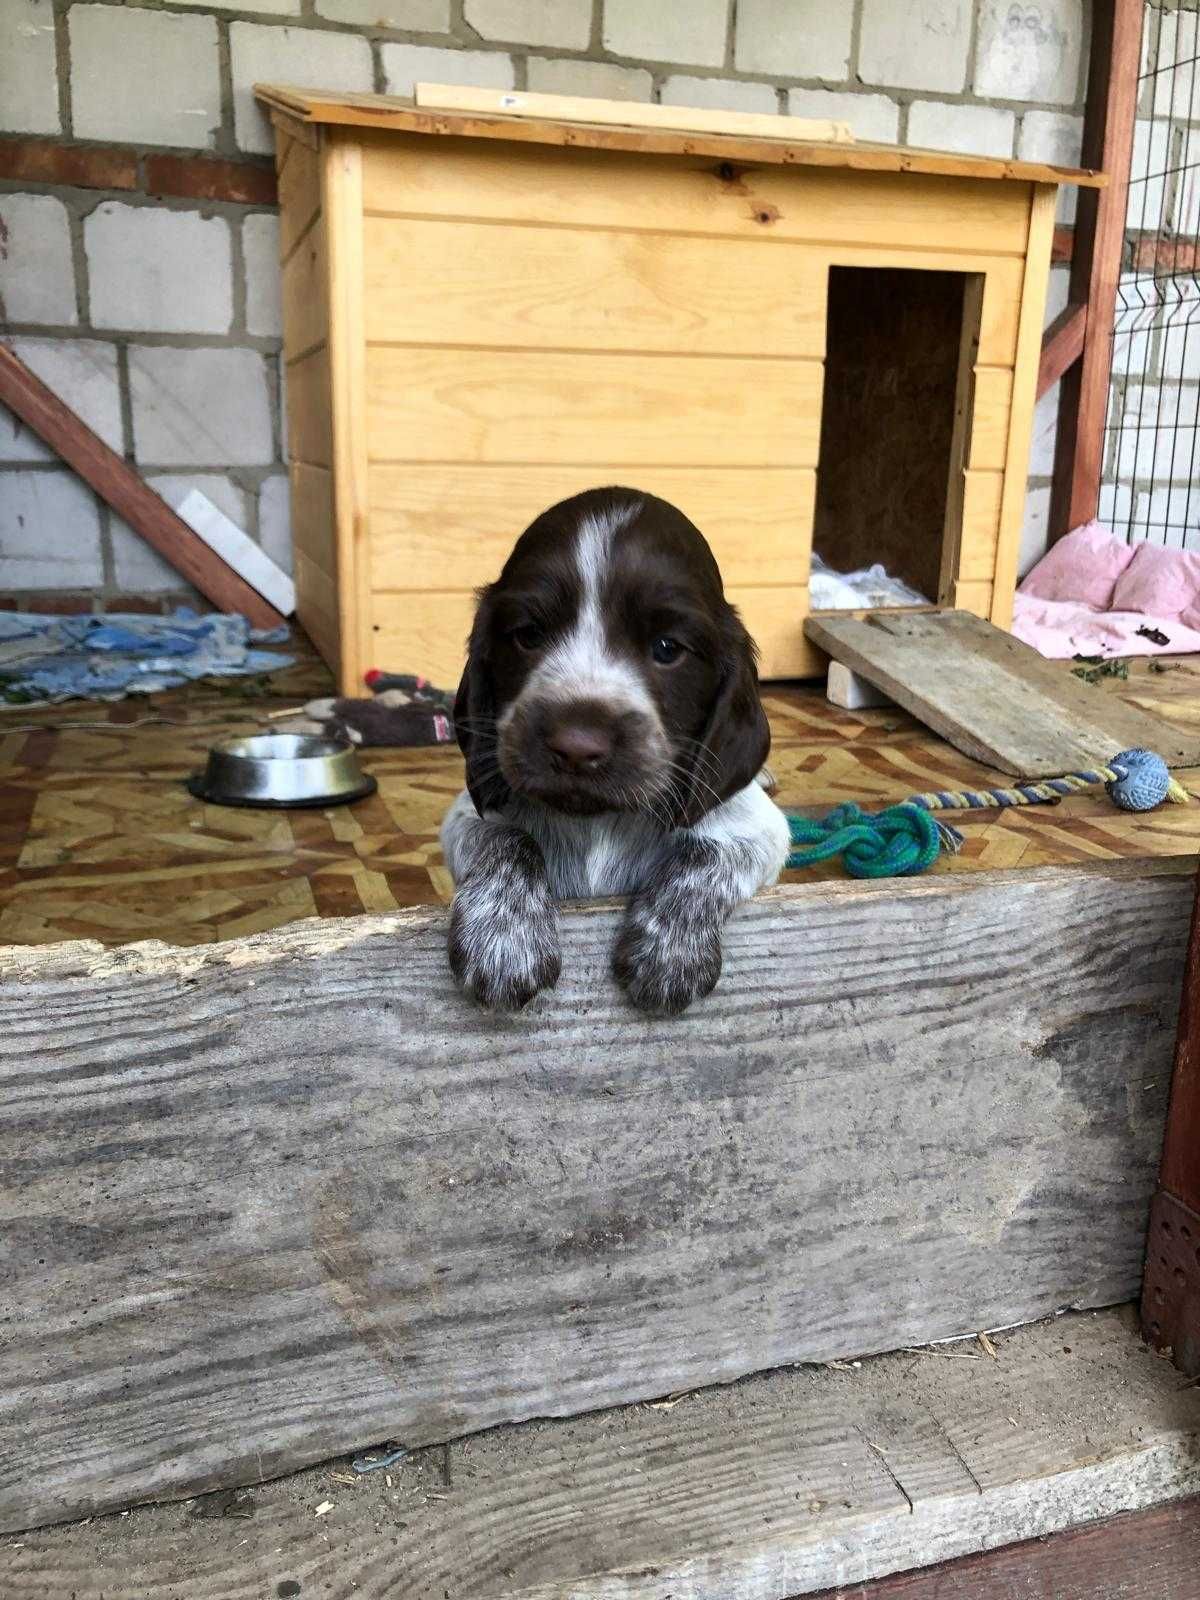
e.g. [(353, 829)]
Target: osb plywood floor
[(99, 839)]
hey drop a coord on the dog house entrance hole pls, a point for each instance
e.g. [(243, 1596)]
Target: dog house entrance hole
[(895, 424)]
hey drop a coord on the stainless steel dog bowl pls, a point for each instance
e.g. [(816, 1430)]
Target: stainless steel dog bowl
[(283, 770)]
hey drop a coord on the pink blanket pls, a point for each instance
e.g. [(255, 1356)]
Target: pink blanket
[(1091, 593)]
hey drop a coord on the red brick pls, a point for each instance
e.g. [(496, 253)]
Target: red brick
[(80, 166), (205, 178)]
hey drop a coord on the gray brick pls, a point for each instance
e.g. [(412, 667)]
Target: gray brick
[(870, 116), (210, 407), (28, 76), (794, 38), (310, 58), (84, 373), (151, 76), (274, 520), (1178, 40), (137, 567), (694, 33), (1054, 137), (1045, 426), (37, 278), (49, 532), (260, 250), (565, 23), (158, 271), (973, 130), (915, 44), (720, 94), (1029, 50), (604, 80), (421, 16), (406, 64)]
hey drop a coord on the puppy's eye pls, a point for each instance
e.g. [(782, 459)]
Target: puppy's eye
[(666, 650), (529, 638)]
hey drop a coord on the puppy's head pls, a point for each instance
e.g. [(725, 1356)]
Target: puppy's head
[(606, 670)]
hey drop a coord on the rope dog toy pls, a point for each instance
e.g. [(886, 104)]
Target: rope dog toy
[(906, 838)]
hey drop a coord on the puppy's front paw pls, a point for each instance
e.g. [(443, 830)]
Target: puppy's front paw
[(504, 941), (665, 962)]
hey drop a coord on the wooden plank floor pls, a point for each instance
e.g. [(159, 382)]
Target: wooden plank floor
[(99, 839)]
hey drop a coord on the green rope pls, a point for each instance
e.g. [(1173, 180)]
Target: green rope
[(903, 839)]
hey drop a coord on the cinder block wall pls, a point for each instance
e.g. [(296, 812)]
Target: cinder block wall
[(137, 233)]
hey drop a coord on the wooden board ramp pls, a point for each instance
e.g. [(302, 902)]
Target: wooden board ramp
[(779, 1486), (993, 696), (278, 1198)]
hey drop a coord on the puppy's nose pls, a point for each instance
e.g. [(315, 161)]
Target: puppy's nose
[(578, 748)]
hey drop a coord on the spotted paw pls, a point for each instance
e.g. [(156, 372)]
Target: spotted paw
[(504, 938), (665, 962)]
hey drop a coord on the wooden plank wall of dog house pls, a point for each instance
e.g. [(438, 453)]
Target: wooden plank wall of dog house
[(538, 321), (304, 266)]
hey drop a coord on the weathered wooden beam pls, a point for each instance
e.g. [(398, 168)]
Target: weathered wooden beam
[(116, 482), (1062, 344), (1096, 260), (271, 1200), (1171, 1292), (796, 1480)]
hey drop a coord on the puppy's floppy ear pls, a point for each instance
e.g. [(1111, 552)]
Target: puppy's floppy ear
[(737, 738), (475, 715)]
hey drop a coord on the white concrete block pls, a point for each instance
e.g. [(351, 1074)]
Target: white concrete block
[(1164, 516), (210, 407), (1054, 137), (407, 64), (1029, 50), (973, 130), (158, 271), (720, 94), (694, 32), (137, 567), (915, 44), (264, 285), (149, 76), (1058, 292), (870, 116), (565, 23), (49, 532), (28, 75), (794, 38), (37, 275), (1177, 94), (1157, 433), (1116, 506), (83, 373), (1034, 539), (421, 16), (851, 691), (310, 58), (274, 519), (1150, 160), (604, 80), (1045, 428), (1179, 343)]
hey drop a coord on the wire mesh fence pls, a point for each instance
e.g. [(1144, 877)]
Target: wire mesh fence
[(1152, 444)]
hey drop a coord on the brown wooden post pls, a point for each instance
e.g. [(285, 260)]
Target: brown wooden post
[(1096, 261), (1171, 1291)]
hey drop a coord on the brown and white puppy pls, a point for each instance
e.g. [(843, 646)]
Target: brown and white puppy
[(610, 719)]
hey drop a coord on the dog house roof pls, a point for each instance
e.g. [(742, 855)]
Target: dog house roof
[(401, 115)]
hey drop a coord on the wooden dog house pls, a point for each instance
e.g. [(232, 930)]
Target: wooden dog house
[(807, 346)]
